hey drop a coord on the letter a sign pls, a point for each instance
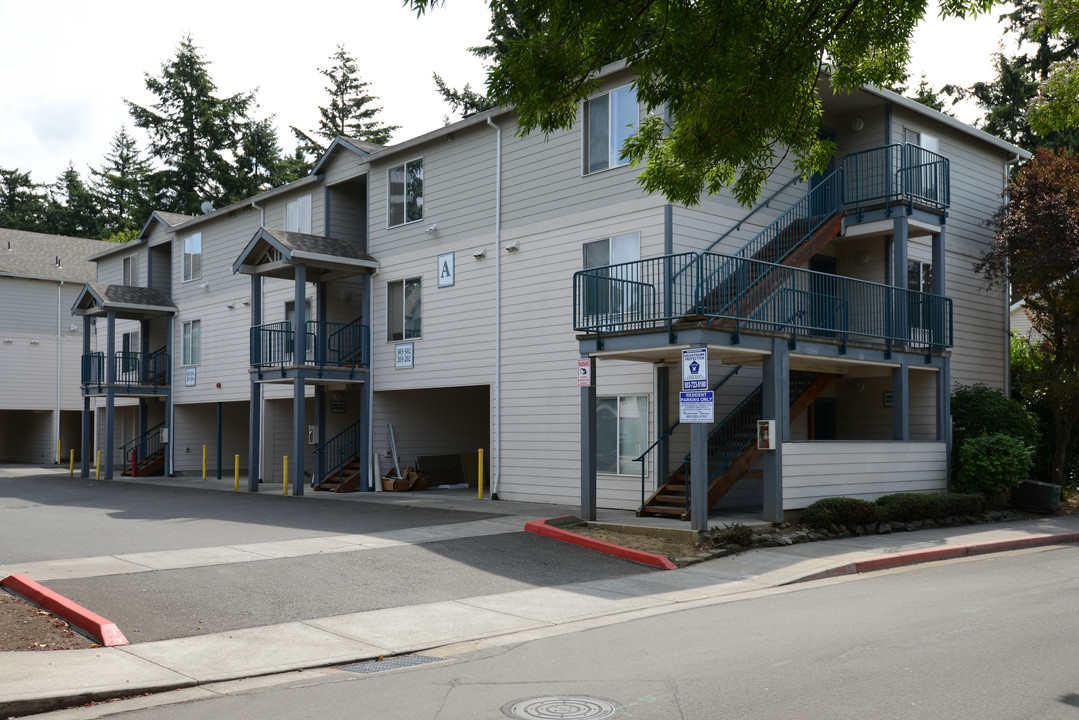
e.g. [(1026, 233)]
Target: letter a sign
[(445, 270)]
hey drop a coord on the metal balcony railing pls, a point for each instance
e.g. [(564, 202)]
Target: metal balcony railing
[(328, 344), (130, 371), (899, 173)]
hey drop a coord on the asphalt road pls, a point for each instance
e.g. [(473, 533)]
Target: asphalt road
[(992, 638), (46, 518)]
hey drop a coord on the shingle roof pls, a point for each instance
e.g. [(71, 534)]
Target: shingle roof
[(172, 219), (31, 254), (131, 295), (317, 244)]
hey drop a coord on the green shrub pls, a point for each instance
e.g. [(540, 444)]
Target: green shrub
[(904, 507), (979, 410), (993, 464), (840, 511)]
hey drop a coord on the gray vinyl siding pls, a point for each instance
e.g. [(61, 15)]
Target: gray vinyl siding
[(196, 425), (344, 165), (347, 212), (865, 470), (162, 277), (439, 421), (849, 140)]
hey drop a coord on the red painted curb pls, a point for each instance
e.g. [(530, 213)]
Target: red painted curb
[(540, 527), (949, 552), (104, 631)]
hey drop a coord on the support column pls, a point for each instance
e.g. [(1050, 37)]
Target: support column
[(901, 403), (944, 416), (254, 431), (367, 396), (220, 433), (588, 445), (698, 476), (940, 274), (84, 459), (144, 371), (900, 322), (299, 356), (110, 392), (663, 421), (776, 405), (320, 390), (170, 384)]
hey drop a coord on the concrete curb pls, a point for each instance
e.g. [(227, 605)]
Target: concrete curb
[(104, 631), (544, 529), (946, 552)]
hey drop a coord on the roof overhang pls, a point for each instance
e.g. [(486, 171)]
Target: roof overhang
[(128, 303), (274, 253)]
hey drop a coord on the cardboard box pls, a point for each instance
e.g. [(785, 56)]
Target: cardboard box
[(391, 484)]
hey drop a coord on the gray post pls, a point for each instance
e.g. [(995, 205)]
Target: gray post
[(944, 416), (254, 431), (775, 404), (940, 272), (588, 445), (220, 423), (900, 322), (170, 447), (299, 357), (84, 460), (901, 403), (663, 421), (366, 397), (698, 476), (110, 392)]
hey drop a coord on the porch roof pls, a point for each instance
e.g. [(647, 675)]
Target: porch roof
[(128, 302), (276, 253)]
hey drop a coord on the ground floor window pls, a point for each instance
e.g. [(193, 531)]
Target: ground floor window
[(621, 433)]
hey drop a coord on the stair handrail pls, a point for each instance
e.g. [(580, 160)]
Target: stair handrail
[(337, 446), (671, 429), (151, 439)]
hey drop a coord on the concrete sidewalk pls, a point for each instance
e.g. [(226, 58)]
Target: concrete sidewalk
[(40, 681)]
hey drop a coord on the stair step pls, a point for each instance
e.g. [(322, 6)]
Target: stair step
[(664, 510)]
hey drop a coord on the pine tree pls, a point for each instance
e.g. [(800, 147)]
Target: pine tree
[(193, 132), (72, 209), (22, 204), (261, 165), (121, 186), (349, 112)]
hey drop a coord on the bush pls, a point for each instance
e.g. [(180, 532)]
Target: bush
[(979, 410), (904, 507), (993, 464), (840, 511)]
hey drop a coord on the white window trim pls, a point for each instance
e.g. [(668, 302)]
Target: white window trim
[(130, 271), (613, 163), (403, 281), (299, 203), (183, 348), (404, 165), (183, 255)]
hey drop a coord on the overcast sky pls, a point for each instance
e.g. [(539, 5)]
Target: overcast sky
[(66, 67)]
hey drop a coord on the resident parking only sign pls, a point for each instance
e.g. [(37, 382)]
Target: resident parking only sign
[(694, 369), (696, 407)]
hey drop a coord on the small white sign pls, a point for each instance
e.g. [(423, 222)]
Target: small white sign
[(584, 373), (695, 369), (403, 355), (696, 407), (189, 377), (445, 270)]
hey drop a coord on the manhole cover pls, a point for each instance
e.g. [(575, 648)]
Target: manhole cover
[(560, 708)]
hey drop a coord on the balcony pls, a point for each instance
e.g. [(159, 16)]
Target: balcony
[(739, 294), (135, 373), (330, 346), (896, 176)]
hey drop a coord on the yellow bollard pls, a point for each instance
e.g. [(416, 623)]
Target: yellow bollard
[(71, 466), (286, 476), (481, 473), (203, 462), (97, 467), (58, 451), (237, 473)]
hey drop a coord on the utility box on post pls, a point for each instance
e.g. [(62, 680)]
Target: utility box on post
[(766, 434)]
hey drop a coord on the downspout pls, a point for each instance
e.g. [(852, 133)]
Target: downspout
[(496, 445), (262, 213), (1008, 299), (59, 305)]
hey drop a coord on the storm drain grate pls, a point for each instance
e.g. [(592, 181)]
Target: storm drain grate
[(393, 663), (554, 707)]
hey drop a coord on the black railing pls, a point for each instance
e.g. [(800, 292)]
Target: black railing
[(144, 446), (328, 344), (332, 455)]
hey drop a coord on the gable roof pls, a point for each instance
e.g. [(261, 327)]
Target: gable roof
[(127, 301), (360, 147), (48, 257), (275, 253)]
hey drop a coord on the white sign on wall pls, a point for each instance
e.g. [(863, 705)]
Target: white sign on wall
[(445, 270), (696, 407), (189, 377), (403, 355), (584, 373)]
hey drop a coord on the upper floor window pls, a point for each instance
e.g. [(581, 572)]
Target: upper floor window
[(193, 257), (131, 270), (290, 312), (608, 121), (192, 342), (916, 137), (404, 307), (298, 215), (405, 193), (614, 290)]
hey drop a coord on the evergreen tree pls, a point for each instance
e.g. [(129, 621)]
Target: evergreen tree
[(121, 186), (260, 165), (193, 132), (22, 204), (349, 112), (72, 209)]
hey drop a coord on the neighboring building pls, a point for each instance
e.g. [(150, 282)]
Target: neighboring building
[(449, 284), (40, 348), (1019, 319)]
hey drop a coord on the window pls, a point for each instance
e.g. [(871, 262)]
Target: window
[(609, 120), (621, 433), (405, 193), (290, 312), (614, 290), (192, 343), (403, 309), (193, 257), (920, 278), (129, 347), (298, 215), (131, 270)]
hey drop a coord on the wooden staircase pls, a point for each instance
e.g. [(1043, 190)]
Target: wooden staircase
[(347, 479), (732, 448), (154, 464)]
